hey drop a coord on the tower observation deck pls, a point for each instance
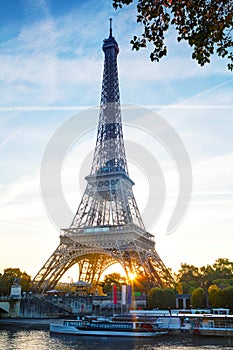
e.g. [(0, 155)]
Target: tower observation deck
[(107, 227)]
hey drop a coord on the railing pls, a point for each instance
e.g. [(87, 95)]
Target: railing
[(130, 228)]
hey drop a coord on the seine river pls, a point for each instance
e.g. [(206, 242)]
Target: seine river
[(15, 339)]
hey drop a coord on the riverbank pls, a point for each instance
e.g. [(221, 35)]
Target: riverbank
[(28, 323)]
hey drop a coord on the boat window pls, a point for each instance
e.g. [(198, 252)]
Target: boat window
[(211, 324)]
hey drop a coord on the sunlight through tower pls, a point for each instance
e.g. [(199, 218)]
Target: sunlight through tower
[(107, 227)]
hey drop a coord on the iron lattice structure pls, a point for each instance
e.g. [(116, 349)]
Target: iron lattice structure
[(107, 227)]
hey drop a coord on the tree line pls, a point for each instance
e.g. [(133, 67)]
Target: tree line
[(11, 276), (208, 286)]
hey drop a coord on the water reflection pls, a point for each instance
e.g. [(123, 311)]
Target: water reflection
[(41, 340)]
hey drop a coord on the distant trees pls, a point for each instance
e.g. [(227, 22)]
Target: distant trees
[(110, 280), (209, 286), (9, 276), (227, 298), (161, 298), (187, 278), (221, 297), (214, 296), (190, 277), (140, 282), (198, 298)]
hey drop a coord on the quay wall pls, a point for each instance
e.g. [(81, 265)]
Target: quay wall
[(54, 306)]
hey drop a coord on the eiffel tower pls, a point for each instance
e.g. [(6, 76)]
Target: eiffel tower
[(107, 227)]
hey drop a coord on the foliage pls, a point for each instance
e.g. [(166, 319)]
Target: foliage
[(223, 282), (214, 296), (161, 298), (192, 277), (189, 277), (223, 267), (206, 25), (227, 298), (10, 276), (198, 298), (110, 280), (221, 297), (141, 283)]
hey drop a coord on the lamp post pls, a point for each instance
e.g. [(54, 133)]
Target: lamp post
[(68, 284)]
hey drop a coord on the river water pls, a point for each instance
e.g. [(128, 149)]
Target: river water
[(21, 339)]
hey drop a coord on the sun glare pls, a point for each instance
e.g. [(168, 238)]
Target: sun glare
[(132, 276)]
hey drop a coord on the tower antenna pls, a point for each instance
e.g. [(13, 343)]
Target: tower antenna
[(110, 30)]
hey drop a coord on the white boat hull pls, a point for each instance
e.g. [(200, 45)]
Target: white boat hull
[(71, 330)]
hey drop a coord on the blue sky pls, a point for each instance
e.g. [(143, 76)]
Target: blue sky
[(51, 64)]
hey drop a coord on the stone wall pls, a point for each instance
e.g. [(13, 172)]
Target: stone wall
[(54, 306), (9, 308)]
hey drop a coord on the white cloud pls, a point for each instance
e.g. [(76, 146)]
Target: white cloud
[(214, 175), (46, 61)]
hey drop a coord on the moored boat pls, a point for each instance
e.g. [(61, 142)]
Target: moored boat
[(215, 325), (107, 328)]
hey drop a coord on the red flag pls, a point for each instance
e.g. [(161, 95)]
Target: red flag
[(114, 294)]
